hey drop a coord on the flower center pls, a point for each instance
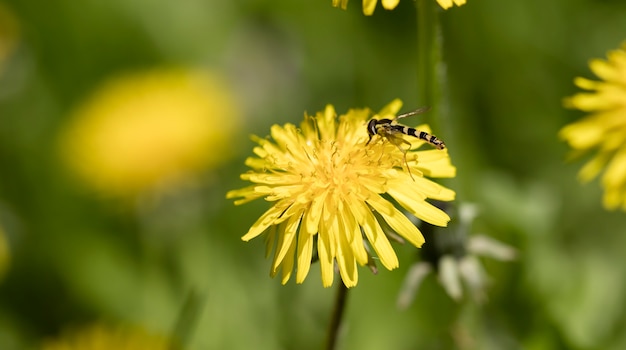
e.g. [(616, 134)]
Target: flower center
[(332, 168)]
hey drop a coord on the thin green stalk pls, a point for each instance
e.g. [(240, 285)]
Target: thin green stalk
[(431, 71), (338, 312), (187, 321), (429, 46)]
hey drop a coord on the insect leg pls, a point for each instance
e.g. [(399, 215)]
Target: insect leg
[(397, 140), (404, 152)]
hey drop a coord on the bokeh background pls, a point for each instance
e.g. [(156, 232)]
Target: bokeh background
[(85, 240)]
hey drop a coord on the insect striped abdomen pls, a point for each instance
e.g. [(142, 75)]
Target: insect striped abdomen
[(422, 135)]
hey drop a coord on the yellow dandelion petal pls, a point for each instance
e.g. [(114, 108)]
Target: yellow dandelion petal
[(582, 135), (380, 204), (421, 209), (286, 240), (593, 101), (314, 214), (270, 240), (605, 128), (304, 254), (284, 137), (592, 168), (345, 257), (287, 264), (615, 174), (374, 234), (613, 199), (326, 181), (586, 84), (399, 223), (605, 70), (326, 123), (409, 197), (433, 163), (354, 233), (445, 194), (248, 194), (255, 163), (342, 3), (370, 5), (329, 220), (266, 220), (378, 240), (390, 4), (446, 4), (326, 258), (294, 209)]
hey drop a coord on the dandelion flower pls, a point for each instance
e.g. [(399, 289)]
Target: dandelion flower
[(604, 128), (100, 337), (333, 192), (370, 5), (150, 129)]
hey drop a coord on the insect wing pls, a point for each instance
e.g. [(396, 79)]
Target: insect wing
[(415, 112)]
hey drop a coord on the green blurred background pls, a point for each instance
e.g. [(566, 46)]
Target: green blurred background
[(77, 258)]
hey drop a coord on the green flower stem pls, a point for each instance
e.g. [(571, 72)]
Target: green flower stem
[(338, 312), (431, 73), (429, 45), (187, 321)]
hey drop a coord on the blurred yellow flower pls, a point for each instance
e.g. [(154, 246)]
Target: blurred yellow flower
[(370, 5), (100, 337), (151, 129), (9, 34), (605, 128), (328, 187), (5, 256)]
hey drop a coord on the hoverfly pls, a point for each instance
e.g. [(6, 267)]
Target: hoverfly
[(390, 130)]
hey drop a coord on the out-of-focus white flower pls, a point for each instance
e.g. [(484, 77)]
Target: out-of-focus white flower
[(456, 261)]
